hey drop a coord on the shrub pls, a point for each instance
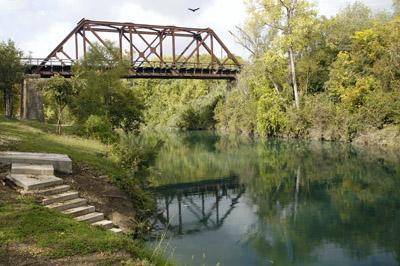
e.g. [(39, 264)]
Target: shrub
[(98, 127), (271, 114), (379, 109), (236, 113), (137, 153), (319, 118)]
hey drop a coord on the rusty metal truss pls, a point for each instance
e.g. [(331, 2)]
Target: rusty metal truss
[(153, 51)]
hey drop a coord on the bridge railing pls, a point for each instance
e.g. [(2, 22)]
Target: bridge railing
[(68, 63)]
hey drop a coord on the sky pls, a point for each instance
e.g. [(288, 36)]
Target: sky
[(38, 26)]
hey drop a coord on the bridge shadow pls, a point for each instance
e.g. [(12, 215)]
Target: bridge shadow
[(195, 207)]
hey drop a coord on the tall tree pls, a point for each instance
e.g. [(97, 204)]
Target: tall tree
[(59, 91), (288, 22), (101, 71), (11, 72)]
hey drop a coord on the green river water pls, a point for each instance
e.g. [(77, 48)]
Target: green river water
[(233, 201)]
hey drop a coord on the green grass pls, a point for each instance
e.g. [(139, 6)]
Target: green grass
[(39, 137), (57, 235), (24, 221)]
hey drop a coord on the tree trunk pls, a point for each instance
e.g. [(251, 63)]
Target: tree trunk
[(59, 120), (294, 78), (292, 64), (8, 104)]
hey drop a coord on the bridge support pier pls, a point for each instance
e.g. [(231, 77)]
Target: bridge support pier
[(31, 100)]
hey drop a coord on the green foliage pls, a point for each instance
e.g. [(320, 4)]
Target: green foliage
[(271, 115), (236, 114), (380, 109), (137, 153), (396, 6), (126, 109), (346, 67), (57, 235), (180, 104), (58, 93), (99, 74), (199, 115), (319, 118), (11, 72), (100, 128)]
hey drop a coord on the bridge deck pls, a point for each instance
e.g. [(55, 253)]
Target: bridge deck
[(146, 72)]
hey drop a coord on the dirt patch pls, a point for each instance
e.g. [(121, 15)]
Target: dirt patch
[(101, 193), (26, 254)]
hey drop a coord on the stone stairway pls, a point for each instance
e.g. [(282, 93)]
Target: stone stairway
[(40, 181)]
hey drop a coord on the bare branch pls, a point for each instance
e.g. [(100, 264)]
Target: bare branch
[(243, 44), (283, 3)]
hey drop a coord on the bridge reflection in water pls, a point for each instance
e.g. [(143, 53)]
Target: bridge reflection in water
[(195, 207)]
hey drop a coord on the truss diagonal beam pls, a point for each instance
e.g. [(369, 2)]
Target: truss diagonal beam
[(149, 48)]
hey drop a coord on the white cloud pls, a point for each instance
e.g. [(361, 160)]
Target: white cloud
[(43, 43), (330, 8), (130, 12), (8, 5), (39, 25), (223, 18)]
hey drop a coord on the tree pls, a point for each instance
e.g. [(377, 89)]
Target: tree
[(396, 6), (11, 72), (60, 92), (103, 93), (289, 22), (100, 72)]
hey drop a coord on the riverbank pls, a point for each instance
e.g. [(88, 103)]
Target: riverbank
[(31, 233)]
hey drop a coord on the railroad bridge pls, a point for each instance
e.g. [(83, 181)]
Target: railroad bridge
[(153, 51)]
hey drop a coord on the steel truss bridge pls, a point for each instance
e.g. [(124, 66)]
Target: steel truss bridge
[(153, 51)]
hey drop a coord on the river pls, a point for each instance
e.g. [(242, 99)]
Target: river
[(234, 201)]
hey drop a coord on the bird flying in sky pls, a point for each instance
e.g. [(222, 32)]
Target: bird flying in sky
[(194, 9)]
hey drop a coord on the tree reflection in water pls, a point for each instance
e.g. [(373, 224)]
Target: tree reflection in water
[(313, 203)]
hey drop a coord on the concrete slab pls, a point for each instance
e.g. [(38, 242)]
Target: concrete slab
[(116, 230), (106, 224), (61, 162), (32, 169), (34, 182)]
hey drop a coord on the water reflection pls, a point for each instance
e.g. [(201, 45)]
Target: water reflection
[(202, 201), (281, 203)]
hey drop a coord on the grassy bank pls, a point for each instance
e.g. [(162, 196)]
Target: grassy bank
[(32, 233), (37, 137)]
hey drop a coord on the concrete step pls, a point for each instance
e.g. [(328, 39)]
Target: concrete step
[(32, 169), (116, 230), (106, 224), (32, 182), (52, 190), (65, 205), (79, 211), (69, 195), (91, 217), (60, 162)]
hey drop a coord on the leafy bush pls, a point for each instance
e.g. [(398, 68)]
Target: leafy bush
[(99, 128), (380, 109), (137, 153), (198, 116), (236, 114), (125, 110), (271, 114), (319, 118)]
